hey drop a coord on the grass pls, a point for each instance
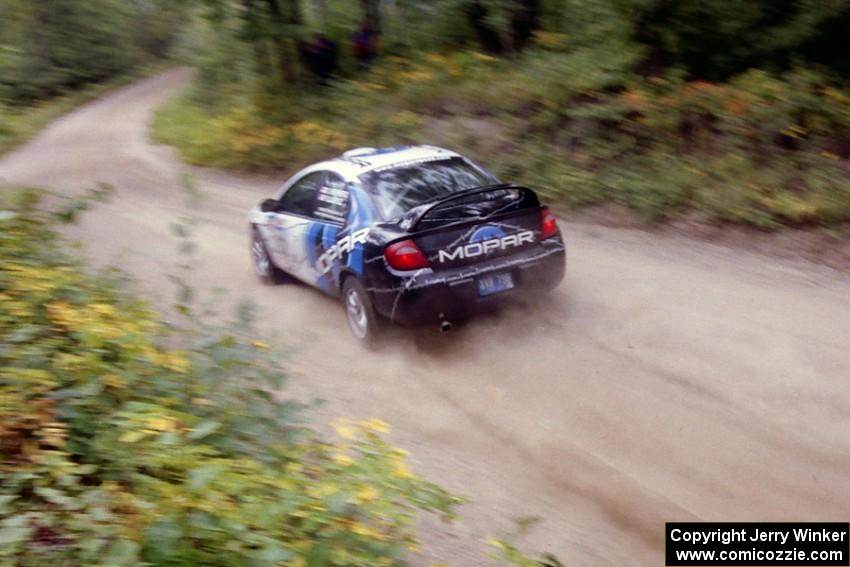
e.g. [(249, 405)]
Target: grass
[(576, 124), (18, 125)]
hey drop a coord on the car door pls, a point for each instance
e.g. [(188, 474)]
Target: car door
[(289, 224), (327, 233)]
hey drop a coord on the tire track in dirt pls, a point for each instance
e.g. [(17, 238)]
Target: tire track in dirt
[(665, 380)]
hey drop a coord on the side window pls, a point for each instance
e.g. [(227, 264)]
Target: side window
[(298, 199), (332, 200)]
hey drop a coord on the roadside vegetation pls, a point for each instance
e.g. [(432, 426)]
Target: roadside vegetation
[(20, 123), (126, 441), (726, 111), (57, 54)]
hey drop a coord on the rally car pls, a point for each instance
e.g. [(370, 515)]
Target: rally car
[(409, 235)]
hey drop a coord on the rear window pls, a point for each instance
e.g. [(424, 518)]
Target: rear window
[(398, 189)]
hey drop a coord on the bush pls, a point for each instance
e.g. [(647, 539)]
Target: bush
[(717, 39), (765, 150), (125, 441), (18, 124), (52, 47)]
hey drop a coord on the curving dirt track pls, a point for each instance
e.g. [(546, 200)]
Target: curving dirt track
[(665, 380)]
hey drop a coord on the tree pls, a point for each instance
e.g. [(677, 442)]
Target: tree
[(503, 25), (285, 16), (271, 28), (715, 39), (51, 46), (372, 14), (525, 20), (478, 15)]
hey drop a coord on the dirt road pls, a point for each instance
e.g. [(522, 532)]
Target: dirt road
[(665, 380)]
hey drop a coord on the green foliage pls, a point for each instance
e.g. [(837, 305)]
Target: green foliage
[(20, 123), (576, 124), (716, 39), (433, 26), (54, 46), (125, 441), (511, 555)]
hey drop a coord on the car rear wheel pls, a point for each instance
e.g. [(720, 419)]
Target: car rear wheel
[(264, 267), (359, 312)]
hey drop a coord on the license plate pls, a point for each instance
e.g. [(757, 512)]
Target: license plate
[(495, 283)]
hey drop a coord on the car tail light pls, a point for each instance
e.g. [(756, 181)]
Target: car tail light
[(405, 255), (548, 224)]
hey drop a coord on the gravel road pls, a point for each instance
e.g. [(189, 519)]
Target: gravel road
[(665, 380)]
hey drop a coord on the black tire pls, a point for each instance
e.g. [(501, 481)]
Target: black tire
[(363, 322), (263, 264)]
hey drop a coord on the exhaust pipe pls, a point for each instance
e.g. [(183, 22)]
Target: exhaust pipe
[(445, 326)]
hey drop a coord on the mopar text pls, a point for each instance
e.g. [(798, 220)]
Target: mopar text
[(342, 246), (474, 249)]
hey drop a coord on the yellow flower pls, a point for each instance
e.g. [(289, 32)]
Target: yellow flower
[(104, 331), (162, 423), (113, 380), (345, 430), (37, 380), (376, 425), (364, 530), (401, 470), (63, 314), (367, 494), (133, 436), (103, 309), (177, 363), (54, 434), (343, 459), (152, 355), (17, 309), (260, 345)]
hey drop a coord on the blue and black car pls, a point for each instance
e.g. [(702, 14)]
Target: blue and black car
[(411, 235)]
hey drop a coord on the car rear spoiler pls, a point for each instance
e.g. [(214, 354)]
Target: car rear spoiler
[(411, 219)]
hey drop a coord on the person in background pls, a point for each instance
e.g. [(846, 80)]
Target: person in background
[(364, 45), (320, 57)]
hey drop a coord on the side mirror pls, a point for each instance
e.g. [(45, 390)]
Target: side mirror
[(269, 206)]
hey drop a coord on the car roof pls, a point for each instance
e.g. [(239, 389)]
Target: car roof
[(358, 161)]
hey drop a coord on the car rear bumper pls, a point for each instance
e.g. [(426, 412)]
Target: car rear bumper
[(430, 297)]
